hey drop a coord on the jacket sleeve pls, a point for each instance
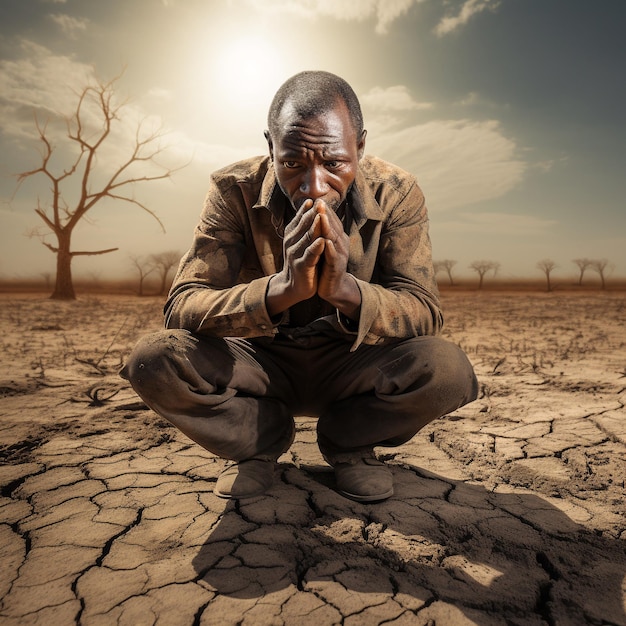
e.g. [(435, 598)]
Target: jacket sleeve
[(402, 299), (207, 296)]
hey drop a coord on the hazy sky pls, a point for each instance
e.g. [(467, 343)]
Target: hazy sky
[(510, 113)]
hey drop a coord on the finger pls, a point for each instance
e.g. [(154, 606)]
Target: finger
[(329, 229), (301, 222), (297, 218), (330, 252), (320, 206), (333, 220), (336, 254), (304, 207), (313, 252), (316, 228), (312, 233)]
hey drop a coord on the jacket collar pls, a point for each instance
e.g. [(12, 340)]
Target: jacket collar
[(362, 201)]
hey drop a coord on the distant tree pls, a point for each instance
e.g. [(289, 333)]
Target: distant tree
[(583, 264), (47, 276), (547, 266), (144, 268), (86, 180), (445, 265), (482, 268), (164, 262), (600, 265), (94, 278)]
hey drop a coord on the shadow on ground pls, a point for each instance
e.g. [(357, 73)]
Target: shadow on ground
[(497, 557)]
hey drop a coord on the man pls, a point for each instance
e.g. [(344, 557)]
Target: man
[(308, 290)]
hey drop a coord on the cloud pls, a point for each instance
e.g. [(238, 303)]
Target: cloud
[(384, 109), (457, 162), (38, 81), (470, 8), (396, 98), (46, 85), (384, 11), (388, 10), (69, 25), (42, 83), (473, 98)]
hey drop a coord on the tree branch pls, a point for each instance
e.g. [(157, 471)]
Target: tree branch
[(93, 252), (140, 205), (52, 226), (50, 246)]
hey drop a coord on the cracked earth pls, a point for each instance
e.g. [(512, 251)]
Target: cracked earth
[(509, 511)]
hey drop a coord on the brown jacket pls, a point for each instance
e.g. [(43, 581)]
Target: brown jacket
[(222, 280)]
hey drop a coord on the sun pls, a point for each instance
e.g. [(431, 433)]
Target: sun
[(229, 81), (248, 70)]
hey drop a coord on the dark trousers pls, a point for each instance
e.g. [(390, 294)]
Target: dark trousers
[(238, 397)]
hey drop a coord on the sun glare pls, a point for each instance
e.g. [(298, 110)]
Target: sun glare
[(231, 79), (248, 69)]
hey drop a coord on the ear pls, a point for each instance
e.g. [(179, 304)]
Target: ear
[(361, 145), (270, 145)]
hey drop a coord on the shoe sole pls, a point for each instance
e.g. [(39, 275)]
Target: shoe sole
[(371, 498), (230, 496)]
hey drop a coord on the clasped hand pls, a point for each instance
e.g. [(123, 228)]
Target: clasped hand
[(315, 251)]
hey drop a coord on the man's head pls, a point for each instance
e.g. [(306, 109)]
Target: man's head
[(315, 137)]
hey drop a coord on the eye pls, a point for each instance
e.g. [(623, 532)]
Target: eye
[(290, 165), (333, 165)]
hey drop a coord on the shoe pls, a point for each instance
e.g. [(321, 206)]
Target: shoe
[(364, 480), (245, 479)]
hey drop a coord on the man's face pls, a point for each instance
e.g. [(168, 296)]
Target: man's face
[(316, 158)]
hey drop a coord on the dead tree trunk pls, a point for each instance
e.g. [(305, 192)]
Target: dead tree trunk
[(63, 286)]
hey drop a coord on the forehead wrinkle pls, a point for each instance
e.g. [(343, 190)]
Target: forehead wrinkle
[(323, 151), (299, 143), (307, 134)]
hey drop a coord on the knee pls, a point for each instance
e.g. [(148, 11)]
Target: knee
[(447, 359), (437, 375), (451, 371), (151, 358), (438, 362)]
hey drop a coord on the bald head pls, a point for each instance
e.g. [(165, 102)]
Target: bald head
[(311, 94)]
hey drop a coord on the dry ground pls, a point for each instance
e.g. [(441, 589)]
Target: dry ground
[(509, 511)]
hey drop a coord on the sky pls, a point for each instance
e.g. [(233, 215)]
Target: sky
[(510, 114)]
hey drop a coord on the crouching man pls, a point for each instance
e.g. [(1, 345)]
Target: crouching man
[(308, 290)]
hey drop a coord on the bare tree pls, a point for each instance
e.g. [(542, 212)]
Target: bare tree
[(547, 266), (87, 175), (144, 267), (482, 268), (437, 267), (445, 265), (600, 265), (164, 262), (94, 278), (583, 264)]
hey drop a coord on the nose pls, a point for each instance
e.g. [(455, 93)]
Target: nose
[(314, 183)]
